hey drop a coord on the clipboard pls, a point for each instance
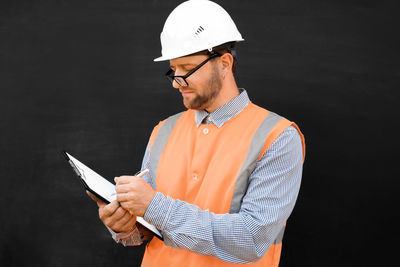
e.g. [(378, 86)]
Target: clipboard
[(101, 187)]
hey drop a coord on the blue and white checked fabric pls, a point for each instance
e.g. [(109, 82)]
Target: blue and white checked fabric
[(225, 112), (245, 236)]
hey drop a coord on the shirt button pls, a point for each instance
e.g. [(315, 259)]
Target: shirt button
[(205, 131), (195, 177)]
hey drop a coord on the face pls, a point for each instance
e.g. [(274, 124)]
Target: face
[(204, 85)]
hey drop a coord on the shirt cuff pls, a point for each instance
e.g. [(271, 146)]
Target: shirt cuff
[(131, 238), (113, 234), (158, 211)]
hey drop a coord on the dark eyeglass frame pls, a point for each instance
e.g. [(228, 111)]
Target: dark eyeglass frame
[(181, 80)]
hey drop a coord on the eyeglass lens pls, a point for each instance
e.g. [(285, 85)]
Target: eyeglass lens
[(181, 80)]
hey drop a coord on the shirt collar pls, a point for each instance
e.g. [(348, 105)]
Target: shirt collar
[(226, 111)]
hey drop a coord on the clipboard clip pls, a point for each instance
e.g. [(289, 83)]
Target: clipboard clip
[(78, 171)]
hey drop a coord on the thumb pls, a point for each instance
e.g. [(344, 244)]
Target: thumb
[(100, 203)]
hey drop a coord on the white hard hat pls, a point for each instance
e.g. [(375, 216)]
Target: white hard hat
[(194, 26)]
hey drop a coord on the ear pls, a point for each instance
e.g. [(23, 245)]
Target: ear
[(226, 63)]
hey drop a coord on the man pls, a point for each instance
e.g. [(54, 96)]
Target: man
[(225, 174)]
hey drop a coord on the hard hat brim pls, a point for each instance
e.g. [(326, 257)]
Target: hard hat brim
[(168, 57)]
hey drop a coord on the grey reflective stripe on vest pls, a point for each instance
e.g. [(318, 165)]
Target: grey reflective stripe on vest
[(249, 164), (279, 237), (158, 146)]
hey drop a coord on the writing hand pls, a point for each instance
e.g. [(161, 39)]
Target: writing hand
[(133, 194)]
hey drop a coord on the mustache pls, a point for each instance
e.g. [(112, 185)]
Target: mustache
[(186, 89)]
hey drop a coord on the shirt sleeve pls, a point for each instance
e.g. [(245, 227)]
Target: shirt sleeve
[(145, 164), (247, 235)]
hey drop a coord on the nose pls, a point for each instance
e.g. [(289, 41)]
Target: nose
[(176, 85)]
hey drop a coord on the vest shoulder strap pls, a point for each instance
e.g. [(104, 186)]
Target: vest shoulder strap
[(262, 139), (158, 139)]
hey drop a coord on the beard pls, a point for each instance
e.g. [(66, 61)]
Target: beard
[(211, 91)]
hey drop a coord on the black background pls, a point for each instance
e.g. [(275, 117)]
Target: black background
[(79, 75)]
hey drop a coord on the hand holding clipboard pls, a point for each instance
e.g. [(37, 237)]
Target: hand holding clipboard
[(105, 191), (113, 215)]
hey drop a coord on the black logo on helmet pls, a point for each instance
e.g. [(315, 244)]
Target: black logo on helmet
[(199, 30)]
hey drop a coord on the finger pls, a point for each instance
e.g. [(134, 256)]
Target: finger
[(119, 213), (92, 196), (123, 188), (127, 205), (124, 197), (99, 202), (127, 224), (131, 222), (123, 179), (120, 220), (111, 208), (126, 219)]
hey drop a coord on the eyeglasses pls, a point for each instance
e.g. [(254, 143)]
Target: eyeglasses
[(181, 80)]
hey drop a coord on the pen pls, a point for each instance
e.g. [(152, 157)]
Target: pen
[(141, 173)]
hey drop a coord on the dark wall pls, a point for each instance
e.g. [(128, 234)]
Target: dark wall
[(79, 75)]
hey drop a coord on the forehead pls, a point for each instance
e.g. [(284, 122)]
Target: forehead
[(188, 60)]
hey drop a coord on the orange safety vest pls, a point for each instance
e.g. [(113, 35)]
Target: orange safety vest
[(209, 167)]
